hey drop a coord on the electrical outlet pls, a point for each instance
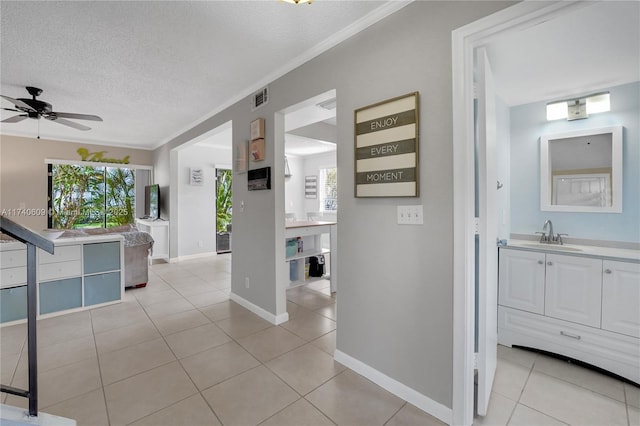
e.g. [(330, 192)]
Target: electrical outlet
[(246, 282)]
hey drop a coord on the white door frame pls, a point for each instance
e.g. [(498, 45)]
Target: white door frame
[(464, 41)]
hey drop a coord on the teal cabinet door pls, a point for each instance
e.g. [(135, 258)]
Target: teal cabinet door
[(101, 288), (101, 257), (13, 303), (60, 295)]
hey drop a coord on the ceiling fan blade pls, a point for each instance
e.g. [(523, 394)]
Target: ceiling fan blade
[(69, 123), (15, 119), (11, 109), (18, 103), (77, 116)]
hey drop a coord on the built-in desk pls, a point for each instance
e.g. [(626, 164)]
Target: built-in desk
[(310, 232)]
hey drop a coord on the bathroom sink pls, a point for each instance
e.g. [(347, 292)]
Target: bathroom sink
[(551, 247)]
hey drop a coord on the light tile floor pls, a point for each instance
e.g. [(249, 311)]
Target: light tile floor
[(179, 352)]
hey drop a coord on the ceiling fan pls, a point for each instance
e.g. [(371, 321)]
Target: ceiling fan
[(34, 108)]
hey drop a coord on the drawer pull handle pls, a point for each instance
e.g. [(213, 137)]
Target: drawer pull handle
[(608, 271), (573, 336), (549, 263), (540, 262)]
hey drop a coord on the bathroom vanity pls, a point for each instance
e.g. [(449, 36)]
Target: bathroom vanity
[(582, 302)]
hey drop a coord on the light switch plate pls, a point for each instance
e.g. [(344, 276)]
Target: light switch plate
[(410, 215)]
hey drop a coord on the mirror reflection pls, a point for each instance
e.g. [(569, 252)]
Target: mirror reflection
[(582, 171)]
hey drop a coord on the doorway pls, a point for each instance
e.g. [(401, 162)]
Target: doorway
[(466, 42), (224, 213)]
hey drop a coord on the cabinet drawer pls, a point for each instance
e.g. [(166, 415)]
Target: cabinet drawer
[(60, 295), (101, 257), (611, 351), (61, 254), (52, 271), (9, 277), (102, 288), (13, 258), (13, 303)]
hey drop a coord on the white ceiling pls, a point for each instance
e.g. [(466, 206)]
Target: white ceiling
[(593, 48), (153, 69)]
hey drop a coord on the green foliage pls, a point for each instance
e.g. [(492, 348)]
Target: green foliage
[(92, 197), (224, 198)]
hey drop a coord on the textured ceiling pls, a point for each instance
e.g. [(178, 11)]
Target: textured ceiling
[(153, 69)]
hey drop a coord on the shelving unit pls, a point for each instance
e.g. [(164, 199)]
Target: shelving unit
[(82, 273), (311, 235)]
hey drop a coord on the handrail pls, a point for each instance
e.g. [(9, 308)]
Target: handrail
[(33, 241)]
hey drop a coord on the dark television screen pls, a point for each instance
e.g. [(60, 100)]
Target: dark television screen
[(152, 201)]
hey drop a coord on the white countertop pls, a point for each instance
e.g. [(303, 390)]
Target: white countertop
[(577, 250), (17, 245)]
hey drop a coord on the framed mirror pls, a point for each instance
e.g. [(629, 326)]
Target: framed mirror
[(581, 171)]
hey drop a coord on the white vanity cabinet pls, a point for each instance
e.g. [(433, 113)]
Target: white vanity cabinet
[(524, 272), (573, 289), (583, 307), (621, 297)]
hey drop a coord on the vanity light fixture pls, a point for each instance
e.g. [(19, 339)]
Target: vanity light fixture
[(298, 1), (578, 108)]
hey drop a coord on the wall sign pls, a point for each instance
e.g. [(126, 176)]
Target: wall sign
[(386, 148), (98, 157), (196, 176), (311, 187)]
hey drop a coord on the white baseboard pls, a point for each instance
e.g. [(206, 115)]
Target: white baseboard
[(193, 256), (273, 319), (403, 391)]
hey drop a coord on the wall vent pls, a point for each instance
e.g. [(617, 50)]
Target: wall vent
[(260, 98)]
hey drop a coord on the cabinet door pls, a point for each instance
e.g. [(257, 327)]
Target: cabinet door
[(101, 288), (521, 280), (13, 303), (101, 257), (60, 295), (574, 289), (621, 297)]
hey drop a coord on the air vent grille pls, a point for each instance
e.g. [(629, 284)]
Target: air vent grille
[(260, 98)]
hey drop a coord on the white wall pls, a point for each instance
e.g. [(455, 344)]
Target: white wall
[(197, 204), (294, 187)]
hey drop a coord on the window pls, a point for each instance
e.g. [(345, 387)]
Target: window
[(82, 196), (329, 190)]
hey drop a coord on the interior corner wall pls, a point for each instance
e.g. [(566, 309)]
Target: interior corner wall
[(24, 173), (395, 310), (197, 203), (528, 123)]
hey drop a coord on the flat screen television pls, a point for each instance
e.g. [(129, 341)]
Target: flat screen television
[(152, 202)]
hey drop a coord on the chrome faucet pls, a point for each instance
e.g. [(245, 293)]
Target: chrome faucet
[(550, 238), (550, 235)]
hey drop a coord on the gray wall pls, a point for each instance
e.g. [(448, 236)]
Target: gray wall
[(395, 309)]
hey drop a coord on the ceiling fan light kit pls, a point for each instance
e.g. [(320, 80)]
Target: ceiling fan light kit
[(36, 109)]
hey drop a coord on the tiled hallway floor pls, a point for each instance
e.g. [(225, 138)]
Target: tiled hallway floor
[(179, 352)]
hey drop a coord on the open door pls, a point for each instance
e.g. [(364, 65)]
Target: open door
[(224, 198), (487, 315)]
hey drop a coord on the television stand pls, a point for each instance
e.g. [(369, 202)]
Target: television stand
[(159, 230)]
